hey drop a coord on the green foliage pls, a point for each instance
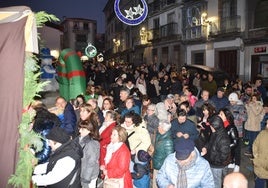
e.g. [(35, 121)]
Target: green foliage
[(28, 138), (42, 17)]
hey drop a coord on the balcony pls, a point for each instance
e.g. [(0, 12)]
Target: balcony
[(160, 5), (195, 32), (230, 24), (258, 33), (168, 31)]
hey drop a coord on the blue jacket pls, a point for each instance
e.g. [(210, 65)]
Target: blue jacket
[(135, 109), (198, 176), (187, 127), (69, 121), (220, 102)]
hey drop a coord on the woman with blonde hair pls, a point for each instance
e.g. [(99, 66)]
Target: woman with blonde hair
[(117, 159)]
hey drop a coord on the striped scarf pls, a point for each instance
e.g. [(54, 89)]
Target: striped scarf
[(182, 179)]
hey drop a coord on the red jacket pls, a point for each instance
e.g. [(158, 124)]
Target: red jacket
[(118, 166), (105, 139)]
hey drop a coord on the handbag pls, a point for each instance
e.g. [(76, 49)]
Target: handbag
[(113, 183)]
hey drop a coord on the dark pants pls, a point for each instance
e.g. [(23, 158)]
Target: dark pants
[(251, 138), (260, 183), (237, 153)]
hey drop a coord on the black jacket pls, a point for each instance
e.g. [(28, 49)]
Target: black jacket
[(218, 147), (73, 150), (233, 135)]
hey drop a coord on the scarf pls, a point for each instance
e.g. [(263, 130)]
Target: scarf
[(111, 148), (182, 179), (105, 124)]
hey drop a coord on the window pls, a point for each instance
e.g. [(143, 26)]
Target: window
[(171, 17), (156, 23), (85, 26), (76, 26), (199, 58), (228, 8)]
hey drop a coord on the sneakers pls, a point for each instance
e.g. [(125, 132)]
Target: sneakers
[(236, 168), (231, 165)]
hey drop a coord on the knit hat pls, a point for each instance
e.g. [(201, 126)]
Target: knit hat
[(58, 134), (143, 156), (233, 97), (183, 148)]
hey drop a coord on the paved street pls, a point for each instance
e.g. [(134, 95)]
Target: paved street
[(247, 167)]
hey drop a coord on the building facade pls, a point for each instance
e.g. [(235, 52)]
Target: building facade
[(78, 33), (227, 34)]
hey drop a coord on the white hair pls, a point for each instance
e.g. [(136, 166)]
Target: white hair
[(165, 125)]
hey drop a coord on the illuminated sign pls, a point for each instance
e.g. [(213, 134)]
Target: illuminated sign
[(261, 49)]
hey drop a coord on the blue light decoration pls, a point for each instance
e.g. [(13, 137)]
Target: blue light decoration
[(90, 51), (130, 19)]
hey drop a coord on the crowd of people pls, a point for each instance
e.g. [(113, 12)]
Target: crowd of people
[(150, 126)]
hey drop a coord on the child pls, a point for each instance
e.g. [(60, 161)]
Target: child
[(141, 173)]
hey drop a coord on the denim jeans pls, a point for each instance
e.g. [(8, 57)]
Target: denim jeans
[(218, 176), (251, 137), (259, 183)]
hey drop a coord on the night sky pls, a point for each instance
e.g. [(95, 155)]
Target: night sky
[(89, 9)]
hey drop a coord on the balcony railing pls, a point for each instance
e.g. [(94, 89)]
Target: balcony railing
[(167, 30), (195, 32), (258, 33), (230, 24)]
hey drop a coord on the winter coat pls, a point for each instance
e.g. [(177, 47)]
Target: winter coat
[(73, 150), (218, 147), (105, 139), (90, 160), (188, 127), (220, 102), (152, 123), (240, 116), (118, 166), (69, 121), (211, 87), (164, 86), (198, 176), (162, 148), (140, 139), (255, 114), (135, 109), (233, 135), (260, 153)]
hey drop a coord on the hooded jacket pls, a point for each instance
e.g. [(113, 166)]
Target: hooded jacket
[(218, 147)]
